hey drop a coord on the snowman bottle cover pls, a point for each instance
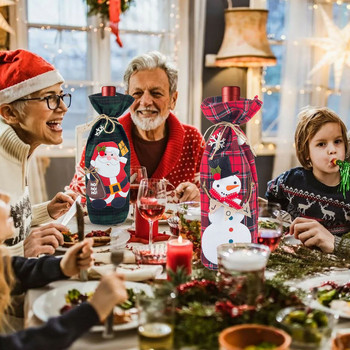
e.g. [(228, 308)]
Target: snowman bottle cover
[(229, 206)]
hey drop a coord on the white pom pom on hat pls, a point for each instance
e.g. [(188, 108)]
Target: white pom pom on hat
[(23, 73)]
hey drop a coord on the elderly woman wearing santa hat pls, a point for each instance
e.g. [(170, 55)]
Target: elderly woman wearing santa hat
[(32, 107)]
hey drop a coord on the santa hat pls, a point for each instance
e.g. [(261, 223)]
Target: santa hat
[(22, 73), (106, 147)]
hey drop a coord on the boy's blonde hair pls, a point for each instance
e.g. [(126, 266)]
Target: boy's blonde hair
[(311, 119)]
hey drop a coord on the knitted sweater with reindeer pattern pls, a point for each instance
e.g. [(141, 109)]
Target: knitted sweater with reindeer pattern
[(302, 195)]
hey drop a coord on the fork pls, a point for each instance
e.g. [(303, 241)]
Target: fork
[(117, 256)]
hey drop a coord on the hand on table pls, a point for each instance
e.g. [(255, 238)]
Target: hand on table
[(60, 204), (78, 257), (110, 292), (43, 240), (312, 234), (187, 191)]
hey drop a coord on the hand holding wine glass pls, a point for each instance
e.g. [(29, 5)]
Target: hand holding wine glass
[(151, 201)]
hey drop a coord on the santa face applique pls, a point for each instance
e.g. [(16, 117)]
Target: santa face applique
[(109, 184)]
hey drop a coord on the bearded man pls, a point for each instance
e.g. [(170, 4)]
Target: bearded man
[(158, 140)]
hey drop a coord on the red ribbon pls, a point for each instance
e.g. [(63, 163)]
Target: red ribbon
[(114, 19), (229, 199)]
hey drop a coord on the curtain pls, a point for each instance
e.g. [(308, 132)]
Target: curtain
[(296, 67), (190, 58)]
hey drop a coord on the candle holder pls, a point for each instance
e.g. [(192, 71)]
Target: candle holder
[(179, 255), (154, 254), (242, 271)]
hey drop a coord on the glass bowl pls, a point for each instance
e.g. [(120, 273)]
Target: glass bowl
[(309, 328), (150, 255)]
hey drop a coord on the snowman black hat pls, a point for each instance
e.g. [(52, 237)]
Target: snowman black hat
[(224, 164)]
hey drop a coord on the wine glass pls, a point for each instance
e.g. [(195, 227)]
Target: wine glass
[(137, 173), (151, 201), (270, 224)]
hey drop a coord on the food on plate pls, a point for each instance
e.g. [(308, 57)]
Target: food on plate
[(335, 296), (100, 237), (121, 313), (167, 214)]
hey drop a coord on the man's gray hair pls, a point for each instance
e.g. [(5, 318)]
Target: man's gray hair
[(148, 61)]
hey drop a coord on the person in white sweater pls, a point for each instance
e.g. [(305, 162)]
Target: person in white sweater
[(32, 107)]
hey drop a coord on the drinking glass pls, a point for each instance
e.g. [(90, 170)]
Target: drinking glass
[(151, 201), (137, 173), (270, 225), (190, 225), (156, 321), (242, 270)]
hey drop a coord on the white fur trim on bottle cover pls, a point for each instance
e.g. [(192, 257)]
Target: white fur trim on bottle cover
[(29, 86)]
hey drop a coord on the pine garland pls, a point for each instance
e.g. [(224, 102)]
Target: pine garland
[(294, 262), (101, 7), (204, 308)]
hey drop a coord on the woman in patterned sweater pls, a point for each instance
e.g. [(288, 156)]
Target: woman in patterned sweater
[(310, 194)]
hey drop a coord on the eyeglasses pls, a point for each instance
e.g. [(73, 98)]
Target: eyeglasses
[(53, 101)]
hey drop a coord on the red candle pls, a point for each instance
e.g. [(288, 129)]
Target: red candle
[(179, 254)]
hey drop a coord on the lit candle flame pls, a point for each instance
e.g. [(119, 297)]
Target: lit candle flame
[(179, 240)]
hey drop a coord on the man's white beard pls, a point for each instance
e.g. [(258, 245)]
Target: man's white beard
[(147, 124)]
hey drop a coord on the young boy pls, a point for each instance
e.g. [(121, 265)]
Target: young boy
[(310, 194)]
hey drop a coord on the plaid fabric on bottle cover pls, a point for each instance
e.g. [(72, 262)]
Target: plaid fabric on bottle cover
[(107, 162), (229, 183)]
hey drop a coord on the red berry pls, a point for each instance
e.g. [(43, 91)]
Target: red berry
[(217, 176), (101, 153)]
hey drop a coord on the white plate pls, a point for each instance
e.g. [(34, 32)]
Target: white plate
[(339, 277), (49, 304), (123, 237)]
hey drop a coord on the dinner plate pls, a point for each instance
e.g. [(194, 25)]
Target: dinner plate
[(49, 304), (339, 277), (120, 235)]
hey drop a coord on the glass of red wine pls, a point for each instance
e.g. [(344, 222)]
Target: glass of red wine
[(270, 225), (137, 173), (151, 201)]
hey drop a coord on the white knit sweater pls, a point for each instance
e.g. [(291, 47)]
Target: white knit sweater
[(14, 158)]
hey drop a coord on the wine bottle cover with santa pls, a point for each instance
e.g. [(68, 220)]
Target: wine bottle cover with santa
[(107, 160), (229, 183)]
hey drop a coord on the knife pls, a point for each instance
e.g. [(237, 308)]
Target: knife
[(81, 235), (71, 212)]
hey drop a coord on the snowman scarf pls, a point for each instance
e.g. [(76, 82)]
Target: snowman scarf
[(229, 185)]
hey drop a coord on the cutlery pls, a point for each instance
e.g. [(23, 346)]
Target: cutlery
[(71, 212), (81, 235), (117, 256)]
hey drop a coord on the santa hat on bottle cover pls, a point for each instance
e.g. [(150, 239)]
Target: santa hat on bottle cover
[(108, 147), (23, 73)]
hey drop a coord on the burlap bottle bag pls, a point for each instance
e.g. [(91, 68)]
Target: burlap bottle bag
[(229, 183), (107, 162)]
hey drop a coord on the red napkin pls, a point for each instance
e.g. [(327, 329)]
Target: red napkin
[(133, 239)]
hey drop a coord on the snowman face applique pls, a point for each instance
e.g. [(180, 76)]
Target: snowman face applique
[(227, 185)]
